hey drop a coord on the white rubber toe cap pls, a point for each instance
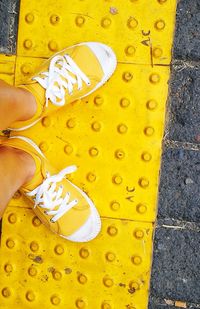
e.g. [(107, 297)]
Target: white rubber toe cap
[(106, 57), (88, 231), (107, 60), (91, 228)]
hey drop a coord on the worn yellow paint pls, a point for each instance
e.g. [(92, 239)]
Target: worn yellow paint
[(140, 31), (114, 136), (7, 68), (45, 265), (114, 133)]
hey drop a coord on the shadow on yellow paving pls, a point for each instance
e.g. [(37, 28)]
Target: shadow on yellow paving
[(114, 136)]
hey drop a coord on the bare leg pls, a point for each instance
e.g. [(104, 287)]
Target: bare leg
[(16, 168), (15, 104)]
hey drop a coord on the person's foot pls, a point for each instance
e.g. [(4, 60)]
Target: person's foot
[(63, 207), (69, 75)]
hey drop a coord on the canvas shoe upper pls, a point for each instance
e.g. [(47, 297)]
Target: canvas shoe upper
[(69, 75), (62, 206)]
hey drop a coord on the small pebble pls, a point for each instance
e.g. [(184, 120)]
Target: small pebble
[(188, 181), (113, 10)]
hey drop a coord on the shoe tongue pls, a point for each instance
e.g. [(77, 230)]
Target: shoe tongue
[(66, 81)]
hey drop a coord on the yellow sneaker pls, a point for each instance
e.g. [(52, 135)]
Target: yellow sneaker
[(69, 75), (63, 207)]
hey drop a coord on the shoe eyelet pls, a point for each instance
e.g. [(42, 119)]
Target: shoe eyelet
[(52, 221)]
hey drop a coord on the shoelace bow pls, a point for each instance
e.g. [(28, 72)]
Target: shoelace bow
[(47, 196), (58, 79)]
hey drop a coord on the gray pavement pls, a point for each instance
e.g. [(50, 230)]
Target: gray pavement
[(176, 260), (9, 12)]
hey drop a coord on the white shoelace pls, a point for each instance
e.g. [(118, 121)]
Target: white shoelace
[(47, 196), (58, 79)]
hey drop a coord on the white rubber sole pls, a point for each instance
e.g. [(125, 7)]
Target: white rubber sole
[(26, 127)]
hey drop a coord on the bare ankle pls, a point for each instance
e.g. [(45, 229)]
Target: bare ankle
[(28, 163), (22, 162), (16, 168), (16, 104), (26, 104)]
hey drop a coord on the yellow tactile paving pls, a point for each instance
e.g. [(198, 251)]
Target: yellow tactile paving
[(114, 136), (73, 276), (125, 150), (139, 30)]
